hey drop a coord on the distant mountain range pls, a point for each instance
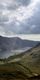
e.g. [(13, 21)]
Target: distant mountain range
[(15, 43)]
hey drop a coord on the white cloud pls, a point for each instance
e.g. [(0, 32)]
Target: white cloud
[(2, 32), (6, 33), (21, 13), (17, 15)]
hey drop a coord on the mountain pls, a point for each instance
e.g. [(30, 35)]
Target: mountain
[(28, 62), (25, 66), (31, 60), (14, 45)]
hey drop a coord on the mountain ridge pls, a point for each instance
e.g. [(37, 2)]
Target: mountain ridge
[(9, 45), (16, 41)]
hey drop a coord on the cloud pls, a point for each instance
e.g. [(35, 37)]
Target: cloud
[(22, 12), (23, 3), (13, 4), (3, 19), (19, 16)]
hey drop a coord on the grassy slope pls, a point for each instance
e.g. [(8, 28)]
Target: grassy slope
[(27, 66), (32, 60)]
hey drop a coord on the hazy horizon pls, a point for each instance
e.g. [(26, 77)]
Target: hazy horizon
[(35, 37)]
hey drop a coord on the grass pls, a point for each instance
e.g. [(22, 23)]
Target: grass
[(24, 69)]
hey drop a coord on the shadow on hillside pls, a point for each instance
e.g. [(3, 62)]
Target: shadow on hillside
[(17, 76)]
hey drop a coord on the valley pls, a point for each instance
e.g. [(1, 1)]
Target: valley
[(24, 66)]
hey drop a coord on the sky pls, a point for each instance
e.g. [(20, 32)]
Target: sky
[(19, 17)]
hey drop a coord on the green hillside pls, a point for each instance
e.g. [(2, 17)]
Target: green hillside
[(24, 66)]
